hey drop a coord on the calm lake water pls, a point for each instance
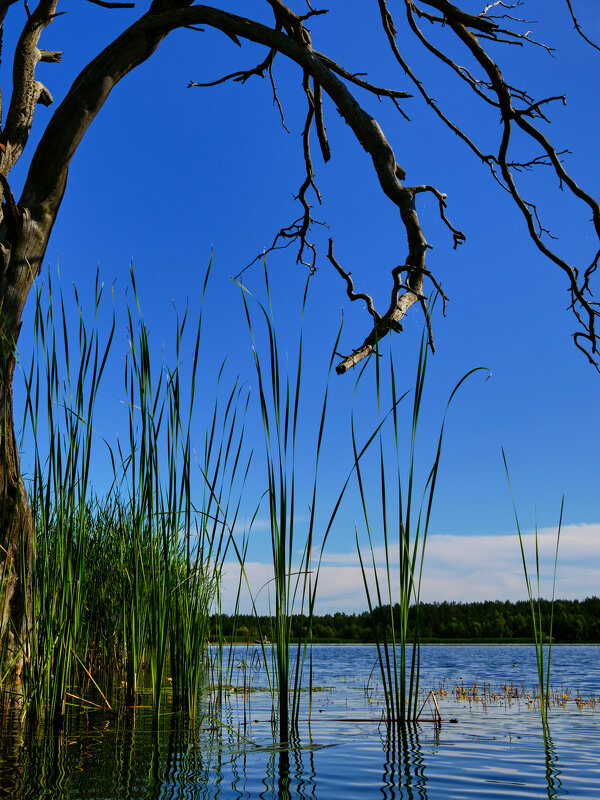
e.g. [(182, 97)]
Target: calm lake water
[(493, 748)]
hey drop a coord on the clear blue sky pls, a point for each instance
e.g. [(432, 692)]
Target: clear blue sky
[(166, 175)]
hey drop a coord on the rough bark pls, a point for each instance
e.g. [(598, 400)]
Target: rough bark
[(17, 539)]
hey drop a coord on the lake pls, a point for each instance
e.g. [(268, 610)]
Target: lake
[(490, 743)]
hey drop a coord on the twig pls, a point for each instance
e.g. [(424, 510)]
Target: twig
[(350, 285)]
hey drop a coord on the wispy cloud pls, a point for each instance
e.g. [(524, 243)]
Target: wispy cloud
[(457, 568)]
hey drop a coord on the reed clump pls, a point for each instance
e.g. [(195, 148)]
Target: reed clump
[(542, 639), (123, 582), (392, 580), (283, 398)]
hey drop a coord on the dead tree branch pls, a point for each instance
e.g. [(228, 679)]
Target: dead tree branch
[(582, 33), (350, 286), (27, 91), (516, 108), (106, 4)]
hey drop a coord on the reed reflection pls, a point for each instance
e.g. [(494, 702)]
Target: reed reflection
[(125, 749), (305, 773), (45, 764), (290, 773), (553, 781), (187, 762), (11, 769), (404, 766)]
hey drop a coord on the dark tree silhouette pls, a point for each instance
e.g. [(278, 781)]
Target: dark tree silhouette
[(27, 221)]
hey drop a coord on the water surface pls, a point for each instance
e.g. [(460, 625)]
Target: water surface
[(493, 748)]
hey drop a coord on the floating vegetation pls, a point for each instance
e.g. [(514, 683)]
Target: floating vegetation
[(511, 695)]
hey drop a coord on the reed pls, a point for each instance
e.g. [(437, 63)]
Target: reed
[(58, 496), (296, 579), (280, 399), (404, 518), (286, 408), (181, 524), (543, 657), (123, 581)]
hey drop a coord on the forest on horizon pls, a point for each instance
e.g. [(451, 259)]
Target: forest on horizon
[(490, 620)]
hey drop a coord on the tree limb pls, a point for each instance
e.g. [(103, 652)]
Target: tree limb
[(583, 35), (27, 91), (46, 180), (106, 4)]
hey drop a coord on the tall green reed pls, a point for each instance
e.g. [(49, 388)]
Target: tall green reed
[(404, 518), (127, 579), (59, 491), (543, 656), (280, 401), (180, 524), (296, 554)]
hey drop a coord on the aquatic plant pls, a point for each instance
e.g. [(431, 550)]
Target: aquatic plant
[(126, 580), (67, 391), (295, 579), (404, 522), (293, 585), (540, 636), (180, 526)]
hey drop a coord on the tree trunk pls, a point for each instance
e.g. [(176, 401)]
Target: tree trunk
[(23, 241), (16, 534)]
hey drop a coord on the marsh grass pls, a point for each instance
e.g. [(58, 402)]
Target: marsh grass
[(123, 582), (59, 497), (543, 653), (285, 401), (404, 518), (293, 584)]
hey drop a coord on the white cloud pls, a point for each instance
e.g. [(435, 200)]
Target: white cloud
[(459, 568)]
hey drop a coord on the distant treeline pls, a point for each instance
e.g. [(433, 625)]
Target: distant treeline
[(574, 621)]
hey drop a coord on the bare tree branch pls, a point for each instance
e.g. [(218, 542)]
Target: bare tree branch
[(390, 30), (581, 32), (45, 183), (510, 114), (276, 99), (350, 286), (27, 91), (242, 76), (495, 91), (318, 103), (355, 78), (458, 236), (106, 4)]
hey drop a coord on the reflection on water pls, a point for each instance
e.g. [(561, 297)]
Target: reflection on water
[(404, 766), (293, 775), (496, 748), (553, 782)]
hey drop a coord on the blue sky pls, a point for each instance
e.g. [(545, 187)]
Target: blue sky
[(167, 176)]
